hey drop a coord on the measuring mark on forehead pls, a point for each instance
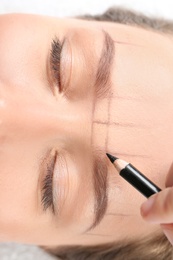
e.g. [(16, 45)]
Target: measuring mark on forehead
[(127, 43), (103, 82), (107, 130), (105, 122), (110, 123)]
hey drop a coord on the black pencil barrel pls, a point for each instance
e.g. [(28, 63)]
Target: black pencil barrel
[(139, 181)]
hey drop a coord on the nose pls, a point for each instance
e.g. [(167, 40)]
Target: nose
[(25, 117)]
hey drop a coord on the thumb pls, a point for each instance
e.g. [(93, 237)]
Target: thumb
[(159, 207)]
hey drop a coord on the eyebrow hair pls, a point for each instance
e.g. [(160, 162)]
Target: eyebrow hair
[(102, 81), (100, 172), (102, 89)]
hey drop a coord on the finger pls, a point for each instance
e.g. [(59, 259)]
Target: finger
[(159, 207)]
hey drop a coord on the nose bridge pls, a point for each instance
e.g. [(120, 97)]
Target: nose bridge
[(23, 117)]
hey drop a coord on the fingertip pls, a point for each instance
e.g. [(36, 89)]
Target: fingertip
[(146, 207)]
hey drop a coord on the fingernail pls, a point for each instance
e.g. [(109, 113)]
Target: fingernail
[(146, 206)]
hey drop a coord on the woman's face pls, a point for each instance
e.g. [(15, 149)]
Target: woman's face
[(70, 91)]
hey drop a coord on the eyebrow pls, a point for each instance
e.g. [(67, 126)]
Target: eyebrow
[(103, 80), (100, 172), (102, 89)]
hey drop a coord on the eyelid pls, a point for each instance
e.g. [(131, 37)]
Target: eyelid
[(66, 65), (60, 183), (61, 65)]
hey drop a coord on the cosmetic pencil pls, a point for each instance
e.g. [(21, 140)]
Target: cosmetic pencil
[(134, 176)]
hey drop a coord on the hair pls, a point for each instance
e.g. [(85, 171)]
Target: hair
[(154, 246)]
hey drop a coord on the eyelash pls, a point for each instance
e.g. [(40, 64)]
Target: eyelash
[(55, 60), (47, 191)]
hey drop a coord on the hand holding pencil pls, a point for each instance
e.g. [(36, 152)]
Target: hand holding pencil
[(159, 207)]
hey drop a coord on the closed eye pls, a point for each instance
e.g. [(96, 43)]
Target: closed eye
[(55, 61), (47, 185)]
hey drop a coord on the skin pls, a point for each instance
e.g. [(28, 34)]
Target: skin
[(36, 119)]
